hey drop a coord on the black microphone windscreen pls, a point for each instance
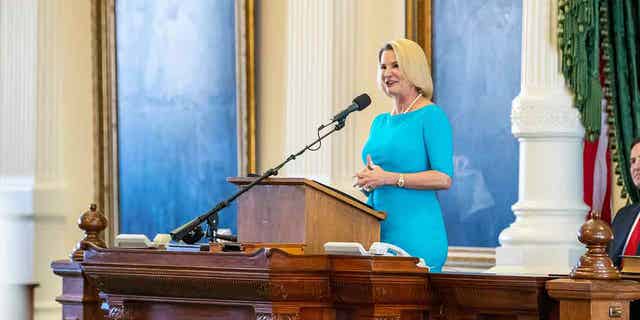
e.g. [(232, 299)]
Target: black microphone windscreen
[(362, 101)]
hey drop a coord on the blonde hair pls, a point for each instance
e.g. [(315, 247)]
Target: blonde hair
[(412, 63)]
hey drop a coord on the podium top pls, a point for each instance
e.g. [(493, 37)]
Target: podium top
[(337, 194)]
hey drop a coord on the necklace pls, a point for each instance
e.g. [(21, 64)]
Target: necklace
[(409, 107)]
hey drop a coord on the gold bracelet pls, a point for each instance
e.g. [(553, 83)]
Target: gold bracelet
[(400, 182)]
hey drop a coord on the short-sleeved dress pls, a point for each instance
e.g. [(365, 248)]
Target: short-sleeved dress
[(412, 142)]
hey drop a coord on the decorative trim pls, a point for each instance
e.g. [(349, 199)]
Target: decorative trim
[(48, 307), (579, 41), (617, 153), (545, 118), (470, 259), (116, 312), (277, 316), (418, 25), (245, 88), (105, 115), (249, 73)]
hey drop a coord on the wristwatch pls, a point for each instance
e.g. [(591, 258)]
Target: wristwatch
[(400, 182)]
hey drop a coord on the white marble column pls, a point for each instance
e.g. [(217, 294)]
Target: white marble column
[(345, 153), (550, 209), (308, 85), (18, 116), (321, 62)]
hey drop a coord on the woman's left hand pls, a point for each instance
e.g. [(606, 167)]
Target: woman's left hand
[(373, 176)]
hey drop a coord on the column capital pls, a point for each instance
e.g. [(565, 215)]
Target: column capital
[(550, 115)]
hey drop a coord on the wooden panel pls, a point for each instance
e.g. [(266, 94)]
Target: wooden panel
[(79, 298), (594, 299), (330, 220), (337, 195), (191, 311), (575, 310), (272, 213), (154, 284), (295, 210), (465, 296)]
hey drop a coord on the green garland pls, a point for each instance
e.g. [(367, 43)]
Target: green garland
[(608, 59), (578, 41), (619, 54)]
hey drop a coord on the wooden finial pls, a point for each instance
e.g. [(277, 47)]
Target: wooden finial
[(595, 263), (92, 222)]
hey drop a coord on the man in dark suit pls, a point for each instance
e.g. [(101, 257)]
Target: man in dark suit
[(626, 224)]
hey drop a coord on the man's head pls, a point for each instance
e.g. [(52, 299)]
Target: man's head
[(634, 162)]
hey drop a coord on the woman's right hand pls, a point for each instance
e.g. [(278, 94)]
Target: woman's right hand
[(366, 171)]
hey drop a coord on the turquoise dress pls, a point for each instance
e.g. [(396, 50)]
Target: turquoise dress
[(407, 143)]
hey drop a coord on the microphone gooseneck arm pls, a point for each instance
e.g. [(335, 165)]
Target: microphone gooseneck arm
[(211, 216)]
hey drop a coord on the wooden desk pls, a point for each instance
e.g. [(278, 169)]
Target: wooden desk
[(270, 284)]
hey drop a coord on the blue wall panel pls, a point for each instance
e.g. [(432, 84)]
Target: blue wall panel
[(477, 74), (176, 111)]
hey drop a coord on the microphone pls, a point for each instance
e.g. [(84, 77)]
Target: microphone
[(359, 103)]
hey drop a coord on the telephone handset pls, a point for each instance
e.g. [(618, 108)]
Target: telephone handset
[(387, 249), (377, 248)]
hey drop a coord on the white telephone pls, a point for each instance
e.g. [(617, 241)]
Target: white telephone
[(387, 249), (377, 249)]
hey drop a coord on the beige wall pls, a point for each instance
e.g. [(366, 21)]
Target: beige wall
[(271, 96), (379, 21), (65, 87)]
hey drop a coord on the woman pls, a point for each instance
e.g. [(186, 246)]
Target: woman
[(409, 155)]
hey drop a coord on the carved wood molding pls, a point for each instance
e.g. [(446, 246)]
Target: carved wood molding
[(117, 312), (105, 117), (217, 286), (278, 316), (418, 24), (161, 285)]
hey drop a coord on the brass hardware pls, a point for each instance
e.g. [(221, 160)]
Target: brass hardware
[(615, 312)]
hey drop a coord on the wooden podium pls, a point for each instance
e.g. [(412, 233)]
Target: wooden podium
[(296, 210)]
